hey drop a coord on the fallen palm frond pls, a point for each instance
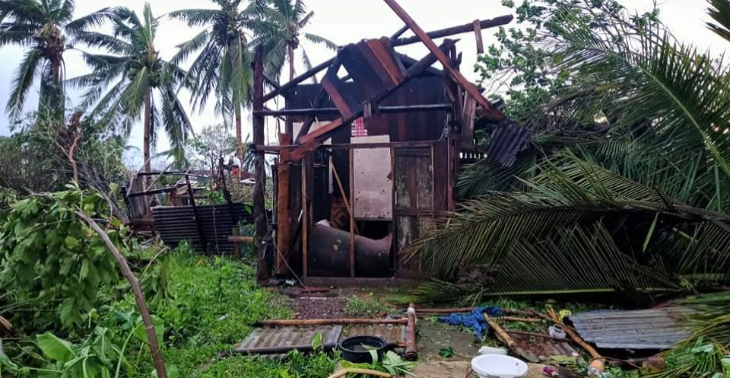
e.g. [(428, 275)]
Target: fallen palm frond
[(581, 228)]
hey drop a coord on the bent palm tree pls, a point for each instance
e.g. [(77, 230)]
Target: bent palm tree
[(125, 85), (277, 26), (43, 26), (223, 65)]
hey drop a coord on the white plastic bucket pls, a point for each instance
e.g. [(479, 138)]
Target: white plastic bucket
[(498, 366)]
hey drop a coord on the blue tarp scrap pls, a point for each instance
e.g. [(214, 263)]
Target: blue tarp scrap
[(474, 320)]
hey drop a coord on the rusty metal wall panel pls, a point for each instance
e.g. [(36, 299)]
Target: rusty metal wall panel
[(284, 339), (641, 329), (373, 183), (543, 348), (177, 224)]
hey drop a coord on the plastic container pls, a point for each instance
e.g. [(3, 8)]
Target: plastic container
[(498, 366), (485, 350)]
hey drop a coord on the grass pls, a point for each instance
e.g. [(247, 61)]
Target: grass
[(216, 301), (366, 307)]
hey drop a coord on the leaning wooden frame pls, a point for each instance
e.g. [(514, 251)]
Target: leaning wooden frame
[(419, 118)]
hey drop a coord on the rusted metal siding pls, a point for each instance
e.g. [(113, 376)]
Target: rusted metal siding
[(283, 339), (177, 224), (641, 329), (507, 141)]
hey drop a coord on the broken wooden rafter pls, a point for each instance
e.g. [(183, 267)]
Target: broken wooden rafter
[(312, 141), (461, 29), (503, 20), (441, 56)]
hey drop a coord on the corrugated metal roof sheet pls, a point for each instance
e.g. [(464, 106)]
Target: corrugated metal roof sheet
[(283, 339), (508, 140), (641, 329)]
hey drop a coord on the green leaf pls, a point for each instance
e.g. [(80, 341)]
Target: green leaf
[(447, 352), (650, 233), (317, 342), (71, 242), (54, 348)]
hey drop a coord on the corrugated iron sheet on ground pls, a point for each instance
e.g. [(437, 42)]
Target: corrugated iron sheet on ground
[(542, 348), (641, 329), (390, 333), (283, 339), (177, 224)]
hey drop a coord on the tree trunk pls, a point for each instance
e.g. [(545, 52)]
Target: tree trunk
[(239, 135), (138, 295), (259, 199), (292, 71), (147, 131)]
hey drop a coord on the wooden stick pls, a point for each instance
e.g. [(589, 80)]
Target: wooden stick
[(530, 334), (316, 322), (352, 213), (574, 335), (144, 311), (411, 345), (345, 372), (342, 191), (505, 338), (478, 36), (241, 239)]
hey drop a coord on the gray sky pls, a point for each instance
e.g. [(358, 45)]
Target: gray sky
[(345, 21)]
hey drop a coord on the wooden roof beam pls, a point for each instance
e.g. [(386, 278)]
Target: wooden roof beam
[(441, 56), (461, 29)]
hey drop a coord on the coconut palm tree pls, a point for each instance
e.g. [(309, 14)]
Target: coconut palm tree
[(278, 25), (45, 27), (223, 65), (134, 82)]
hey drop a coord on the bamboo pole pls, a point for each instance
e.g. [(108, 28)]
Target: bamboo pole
[(411, 346), (317, 322), (503, 336)]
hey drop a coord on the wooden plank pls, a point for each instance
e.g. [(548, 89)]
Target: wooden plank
[(318, 100), (382, 49), (283, 230), (335, 111), (376, 63), (478, 36), (363, 73), (321, 131), (352, 213), (431, 45), (454, 30), (339, 95)]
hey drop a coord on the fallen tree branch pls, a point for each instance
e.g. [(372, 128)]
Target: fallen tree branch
[(138, 295)]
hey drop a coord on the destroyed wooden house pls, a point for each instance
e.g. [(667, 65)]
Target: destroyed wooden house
[(369, 156)]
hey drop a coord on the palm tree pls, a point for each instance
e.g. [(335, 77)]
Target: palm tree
[(223, 65), (126, 84), (43, 26), (639, 206), (278, 25)]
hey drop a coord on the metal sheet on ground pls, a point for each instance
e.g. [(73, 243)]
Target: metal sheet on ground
[(391, 334), (283, 339), (641, 329)]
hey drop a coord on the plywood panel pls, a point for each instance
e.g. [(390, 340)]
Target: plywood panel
[(373, 183)]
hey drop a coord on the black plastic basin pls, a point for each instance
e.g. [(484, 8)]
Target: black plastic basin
[(357, 349)]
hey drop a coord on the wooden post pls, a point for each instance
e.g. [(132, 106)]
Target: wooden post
[(259, 200), (478, 36), (283, 213), (352, 213), (411, 345), (201, 232), (305, 220)]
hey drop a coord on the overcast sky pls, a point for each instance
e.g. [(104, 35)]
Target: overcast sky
[(345, 21)]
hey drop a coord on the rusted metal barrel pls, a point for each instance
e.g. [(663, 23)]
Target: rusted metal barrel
[(329, 254)]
